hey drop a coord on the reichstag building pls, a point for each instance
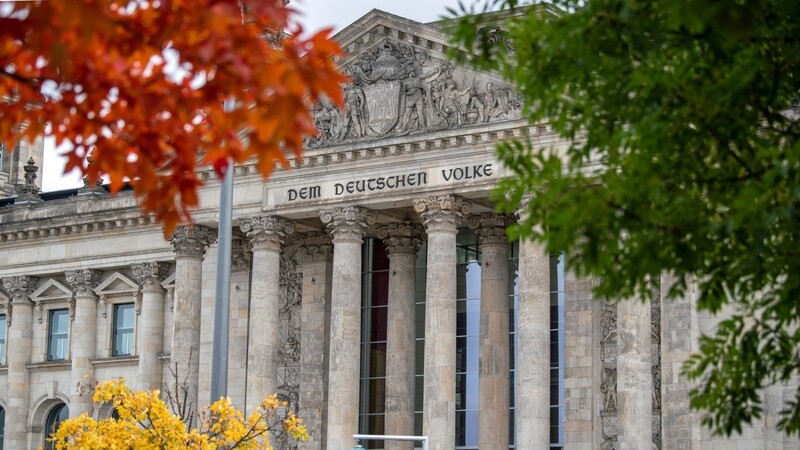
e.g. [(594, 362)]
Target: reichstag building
[(372, 286)]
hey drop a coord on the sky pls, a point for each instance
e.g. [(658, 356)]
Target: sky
[(315, 15)]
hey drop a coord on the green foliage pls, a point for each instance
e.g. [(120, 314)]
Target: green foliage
[(680, 156)]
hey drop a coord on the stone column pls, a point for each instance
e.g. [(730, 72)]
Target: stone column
[(493, 381), (83, 338), (532, 406), (20, 321), (441, 215), (634, 379), (150, 329), (346, 226), (190, 245), (402, 242), (315, 259), (266, 235)]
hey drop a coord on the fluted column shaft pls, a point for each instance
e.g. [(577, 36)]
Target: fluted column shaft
[(190, 245), (346, 226), (315, 259), (532, 406), (493, 381), (82, 339), (20, 320), (634, 378), (150, 329), (402, 241), (441, 216), (266, 235)]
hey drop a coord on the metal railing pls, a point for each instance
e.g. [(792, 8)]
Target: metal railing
[(389, 437)]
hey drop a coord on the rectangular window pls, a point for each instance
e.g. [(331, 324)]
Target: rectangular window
[(58, 335), (123, 329), (2, 339)]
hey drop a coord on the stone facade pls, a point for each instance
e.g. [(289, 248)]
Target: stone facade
[(406, 165)]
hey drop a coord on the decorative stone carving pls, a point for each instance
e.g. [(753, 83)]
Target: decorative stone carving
[(267, 232), (83, 281), (151, 274), (19, 289), (289, 352), (192, 241), (241, 256), (655, 360), (608, 374), (347, 223), (441, 212), (401, 237), (28, 192), (314, 247), (397, 89), (92, 189), (491, 228)]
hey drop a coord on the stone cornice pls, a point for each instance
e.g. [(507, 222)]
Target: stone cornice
[(401, 237), (266, 232), (48, 228), (441, 212), (347, 223)]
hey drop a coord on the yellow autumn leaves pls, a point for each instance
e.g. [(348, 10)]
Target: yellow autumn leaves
[(144, 422)]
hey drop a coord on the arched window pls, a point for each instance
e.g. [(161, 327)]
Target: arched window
[(2, 426), (56, 415)]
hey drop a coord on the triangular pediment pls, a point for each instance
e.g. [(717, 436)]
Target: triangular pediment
[(402, 84), (4, 299), (51, 290), (116, 283), (169, 282)]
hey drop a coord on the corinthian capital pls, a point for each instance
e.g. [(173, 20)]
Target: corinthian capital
[(490, 228), (347, 223), (401, 237), (314, 247), (20, 287), (83, 281), (150, 274), (441, 212), (241, 257), (192, 241), (267, 232)]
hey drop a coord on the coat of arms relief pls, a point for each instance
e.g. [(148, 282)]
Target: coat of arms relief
[(397, 89)]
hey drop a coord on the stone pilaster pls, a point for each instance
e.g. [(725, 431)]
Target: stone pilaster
[(441, 215), (190, 245), (402, 241), (315, 260), (532, 404), (634, 378), (150, 329), (241, 264), (266, 235), (83, 339), (493, 381), (17, 357), (346, 226)]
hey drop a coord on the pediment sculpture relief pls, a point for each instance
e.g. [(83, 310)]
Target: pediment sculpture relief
[(396, 90)]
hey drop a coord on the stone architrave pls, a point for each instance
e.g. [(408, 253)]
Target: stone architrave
[(441, 215), (634, 378), (18, 356), (150, 329), (190, 244), (532, 406), (346, 226), (315, 258), (402, 240), (83, 339), (266, 235), (493, 377)]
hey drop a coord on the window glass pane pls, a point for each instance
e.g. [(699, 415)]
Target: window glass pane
[(124, 318), (2, 346), (58, 329), (54, 418)]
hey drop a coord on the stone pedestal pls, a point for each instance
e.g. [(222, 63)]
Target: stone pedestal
[(402, 241), (441, 215), (634, 379), (346, 226), (315, 260), (533, 348), (82, 340), (266, 235), (20, 320), (150, 327), (493, 381), (190, 245)]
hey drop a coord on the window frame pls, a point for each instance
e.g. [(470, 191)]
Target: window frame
[(3, 341), (49, 336), (115, 329)]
